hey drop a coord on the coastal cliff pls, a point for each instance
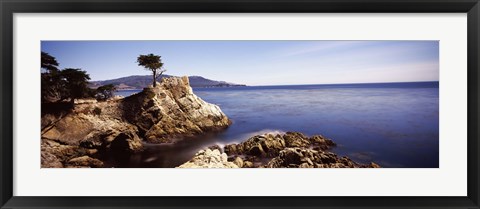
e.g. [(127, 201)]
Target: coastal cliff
[(172, 111), (166, 113), (75, 137)]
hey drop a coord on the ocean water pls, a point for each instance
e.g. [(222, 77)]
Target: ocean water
[(126, 93), (392, 124)]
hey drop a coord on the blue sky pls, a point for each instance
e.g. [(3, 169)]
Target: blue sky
[(258, 62)]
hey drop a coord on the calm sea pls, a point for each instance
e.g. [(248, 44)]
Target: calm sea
[(392, 124)]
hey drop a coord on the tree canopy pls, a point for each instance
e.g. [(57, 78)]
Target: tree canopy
[(58, 85), (76, 83), (105, 92), (51, 81), (48, 62), (153, 63)]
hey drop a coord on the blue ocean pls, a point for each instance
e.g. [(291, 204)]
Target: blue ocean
[(395, 125)]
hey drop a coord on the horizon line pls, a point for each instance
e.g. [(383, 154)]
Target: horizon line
[(379, 82), (311, 84), (349, 83)]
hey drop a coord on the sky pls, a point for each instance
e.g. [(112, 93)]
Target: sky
[(258, 62)]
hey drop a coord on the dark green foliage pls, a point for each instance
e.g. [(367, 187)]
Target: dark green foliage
[(90, 93), (153, 63), (105, 92), (76, 83), (51, 81), (150, 61), (58, 85), (48, 62)]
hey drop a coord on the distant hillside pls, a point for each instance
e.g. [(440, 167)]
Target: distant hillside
[(142, 81)]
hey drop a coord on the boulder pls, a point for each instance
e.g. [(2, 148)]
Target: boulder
[(233, 149), (126, 143), (309, 158), (286, 158), (84, 162), (374, 165), (321, 142), (57, 155), (238, 161), (270, 145), (296, 139), (247, 164), (267, 145), (49, 160), (89, 130), (209, 159), (216, 147), (256, 150)]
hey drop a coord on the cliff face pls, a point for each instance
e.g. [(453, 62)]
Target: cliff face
[(172, 111), (165, 113)]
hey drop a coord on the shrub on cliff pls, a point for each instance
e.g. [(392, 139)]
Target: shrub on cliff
[(105, 92)]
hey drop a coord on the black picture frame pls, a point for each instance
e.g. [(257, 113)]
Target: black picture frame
[(10, 7)]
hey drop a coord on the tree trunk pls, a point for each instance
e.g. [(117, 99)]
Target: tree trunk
[(72, 101), (160, 76), (154, 78)]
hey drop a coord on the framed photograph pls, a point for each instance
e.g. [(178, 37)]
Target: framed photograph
[(239, 104)]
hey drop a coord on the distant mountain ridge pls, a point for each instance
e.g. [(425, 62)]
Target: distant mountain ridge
[(142, 81)]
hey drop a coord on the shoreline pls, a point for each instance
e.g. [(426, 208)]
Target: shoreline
[(273, 150), (73, 136), (146, 114)]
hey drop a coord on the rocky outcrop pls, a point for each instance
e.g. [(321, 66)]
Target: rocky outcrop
[(209, 159), (270, 145), (289, 150), (308, 158), (172, 111), (84, 161), (162, 114), (58, 155)]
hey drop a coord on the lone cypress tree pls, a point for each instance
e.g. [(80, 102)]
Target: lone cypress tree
[(153, 63)]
